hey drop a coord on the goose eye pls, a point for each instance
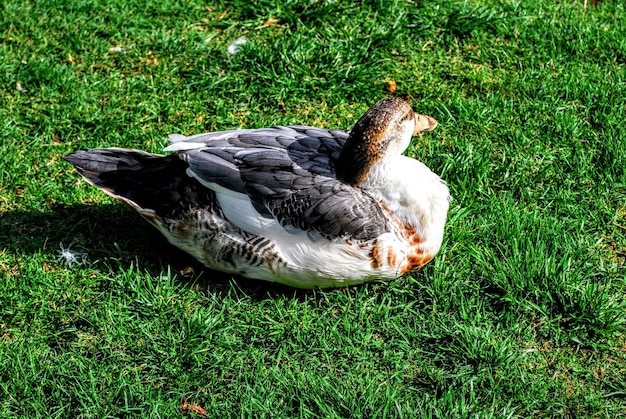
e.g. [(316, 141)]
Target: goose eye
[(407, 116)]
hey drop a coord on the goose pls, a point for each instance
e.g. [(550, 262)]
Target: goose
[(303, 206)]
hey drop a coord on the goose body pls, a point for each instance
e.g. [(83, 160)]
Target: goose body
[(303, 206)]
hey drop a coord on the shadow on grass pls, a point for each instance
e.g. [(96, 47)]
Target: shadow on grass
[(115, 237)]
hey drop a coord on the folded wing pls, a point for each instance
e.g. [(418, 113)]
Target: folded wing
[(287, 173)]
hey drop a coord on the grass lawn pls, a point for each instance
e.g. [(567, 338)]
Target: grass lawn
[(522, 313)]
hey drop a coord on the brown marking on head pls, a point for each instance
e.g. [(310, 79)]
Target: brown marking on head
[(368, 139)]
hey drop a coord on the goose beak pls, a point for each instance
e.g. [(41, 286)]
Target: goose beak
[(424, 123)]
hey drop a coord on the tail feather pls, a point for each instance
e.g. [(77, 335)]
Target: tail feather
[(145, 181)]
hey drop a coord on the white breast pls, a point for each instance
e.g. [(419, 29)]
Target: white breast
[(413, 194)]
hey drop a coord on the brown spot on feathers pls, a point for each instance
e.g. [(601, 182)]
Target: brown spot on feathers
[(376, 255), (392, 258), (415, 261), (417, 257)]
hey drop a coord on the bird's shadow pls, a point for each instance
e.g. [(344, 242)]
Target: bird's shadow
[(115, 237)]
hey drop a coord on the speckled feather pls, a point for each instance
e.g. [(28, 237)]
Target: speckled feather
[(186, 212), (295, 183), (304, 206)]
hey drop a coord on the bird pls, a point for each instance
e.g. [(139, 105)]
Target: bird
[(303, 206)]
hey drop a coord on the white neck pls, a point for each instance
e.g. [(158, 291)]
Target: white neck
[(413, 193)]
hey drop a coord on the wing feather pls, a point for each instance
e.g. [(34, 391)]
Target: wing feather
[(287, 173)]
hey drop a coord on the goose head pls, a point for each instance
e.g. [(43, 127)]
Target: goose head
[(384, 131)]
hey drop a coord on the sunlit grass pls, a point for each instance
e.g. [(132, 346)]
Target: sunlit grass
[(521, 314)]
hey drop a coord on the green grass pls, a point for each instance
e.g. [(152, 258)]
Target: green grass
[(522, 314)]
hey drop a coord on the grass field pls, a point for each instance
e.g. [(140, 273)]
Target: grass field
[(522, 313)]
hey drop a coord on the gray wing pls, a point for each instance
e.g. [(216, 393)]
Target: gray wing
[(288, 174)]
